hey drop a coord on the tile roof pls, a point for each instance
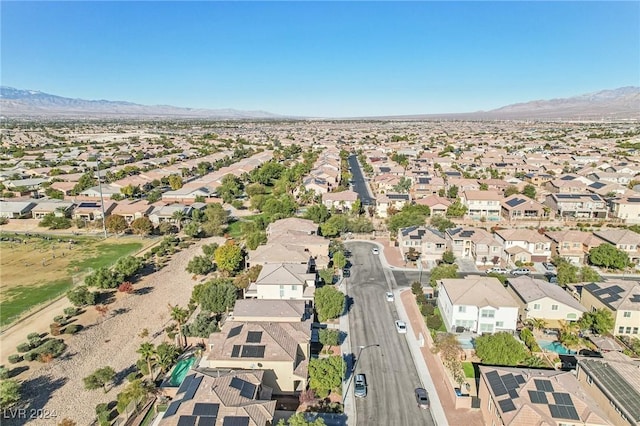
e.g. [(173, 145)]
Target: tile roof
[(478, 291), (530, 289)]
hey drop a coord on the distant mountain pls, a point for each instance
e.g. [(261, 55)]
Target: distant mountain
[(36, 104)]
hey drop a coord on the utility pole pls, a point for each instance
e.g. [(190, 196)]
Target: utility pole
[(353, 372)]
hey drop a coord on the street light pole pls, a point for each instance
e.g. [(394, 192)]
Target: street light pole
[(104, 219), (355, 365)]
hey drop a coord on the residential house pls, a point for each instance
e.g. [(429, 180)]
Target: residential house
[(538, 179), (626, 208), (280, 349), (132, 210), (621, 298), (572, 245), (165, 213), (429, 242), (614, 383), (283, 281), (388, 201), (221, 397), (577, 206), (513, 396), (277, 252), (340, 201), (317, 185), (533, 246), (437, 205), (520, 207), (567, 184), (16, 209), (624, 240), (477, 304), (483, 205), (292, 226), (543, 300), (58, 208), (426, 186), (92, 210), (474, 243)]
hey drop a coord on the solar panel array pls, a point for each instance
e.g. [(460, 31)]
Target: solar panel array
[(185, 383), (193, 387), (538, 397), (206, 409), (235, 352), (623, 394), (562, 398), (235, 331), (206, 421), (254, 337), (247, 390), (543, 385), (501, 385), (515, 202), (252, 351), (235, 421), (564, 412), (172, 409), (507, 405), (187, 421)]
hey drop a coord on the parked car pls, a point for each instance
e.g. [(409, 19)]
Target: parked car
[(401, 326), (346, 272), (553, 278), (422, 398), (520, 271), (361, 386), (549, 266), (389, 296), (497, 270), (375, 251)]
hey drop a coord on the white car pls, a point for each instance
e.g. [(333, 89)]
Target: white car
[(401, 326), (520, 271), (497, 270), (389, 296), (375, 251)]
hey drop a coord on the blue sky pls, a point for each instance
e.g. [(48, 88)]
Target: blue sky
[(325, 59)]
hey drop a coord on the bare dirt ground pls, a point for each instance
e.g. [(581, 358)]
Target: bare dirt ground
[(57, 388)]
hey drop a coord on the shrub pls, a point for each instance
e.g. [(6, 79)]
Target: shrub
[(416, 288), (434, 322), (102, 407), (4, 372), (33, 335), (71, 311), (133, 376), (53, 347), (30, 356), (15, 358), (23, 347), (126, 287), (72, 329), (60, 319)]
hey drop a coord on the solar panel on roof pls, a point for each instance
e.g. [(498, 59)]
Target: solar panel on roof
[(538, 397), (520, 379), (514, 394), (496, 383), (235, 331), (193, 387), (207, 421), (185, 383), (235, 352), (562, 398), (617, 385), (187, 421), (543, 385), (206, 409), (563, 412), (235, 421), (509, 381), (248, 390), (254, 336), (507, 405), (172, 409), (252, 351), (515, 202), (236, 383)]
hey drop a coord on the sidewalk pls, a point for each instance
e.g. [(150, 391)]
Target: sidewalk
[(349, 403)]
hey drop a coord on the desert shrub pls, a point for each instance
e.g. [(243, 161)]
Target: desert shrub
[(15, 358), (126, 287), (30, 356), (133, 376), (434, 322), (71, 311), (23, 347), (53, 347), (72, 329), (60, 319), (34, 340), (4, 372)]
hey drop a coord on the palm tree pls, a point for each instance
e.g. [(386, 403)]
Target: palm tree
[(179, 216), (568, 333), (147, 351), (537, 323), (180, 316)]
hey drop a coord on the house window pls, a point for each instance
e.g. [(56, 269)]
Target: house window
[(487, 313), (635, 330), (620, 330), (628, 330), (294, 287), (554, 307), (486, 328), (536, 306), (462, 309), (627, 314), (499, 323)]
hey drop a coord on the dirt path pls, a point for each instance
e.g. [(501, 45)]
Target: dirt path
[(57, 388)]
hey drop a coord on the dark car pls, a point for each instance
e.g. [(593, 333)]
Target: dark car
[(346, 272), (422, 398)]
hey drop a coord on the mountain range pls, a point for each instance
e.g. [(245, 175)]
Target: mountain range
[(617, 104)]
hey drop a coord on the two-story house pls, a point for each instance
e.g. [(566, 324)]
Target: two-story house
[(621, 298), (476, 304), (543, 300), (429, 242), (577, 206), (482, 204), (572, 245), (474, 243), (384, 202), (283, 281), (524, 245), (340, 201), (521, 207), (624, 240), (626, 209), (437, 205)]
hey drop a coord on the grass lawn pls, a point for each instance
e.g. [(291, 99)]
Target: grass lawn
[(234, 228), (37, 270), (469, 371), (442, 327)]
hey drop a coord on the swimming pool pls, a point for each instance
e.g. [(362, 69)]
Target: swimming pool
[(556, 347), (466, 342), (180, 371)]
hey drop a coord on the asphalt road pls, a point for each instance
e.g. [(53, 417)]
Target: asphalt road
[(359, 183), (391, 374)]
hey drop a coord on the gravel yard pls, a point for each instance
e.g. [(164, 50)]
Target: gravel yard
[(57, 388)]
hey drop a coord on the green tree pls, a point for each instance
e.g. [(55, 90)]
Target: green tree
[(9, 393), (448, 257), (200, 265), (99, 379), (326, 275), (142, 226), (442, 272), (128, 266), (318, 213), (500, 349), (255, 239), (175, 182), (456, 209), (403, 186), (179, 216), (216, 296), (230, 188), (147, 351), (339, 260), (529, 191), (452, 192), (104, 278), (193, 229), (166, 355), (86, 181), (329, 303), (600, 321), (441, 223), (229, 258), (203, 326), (81, 296), (325, 374), (587, 274), (299, 419), (179, 315), (216, 219), (329, 337), (608, 256)]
